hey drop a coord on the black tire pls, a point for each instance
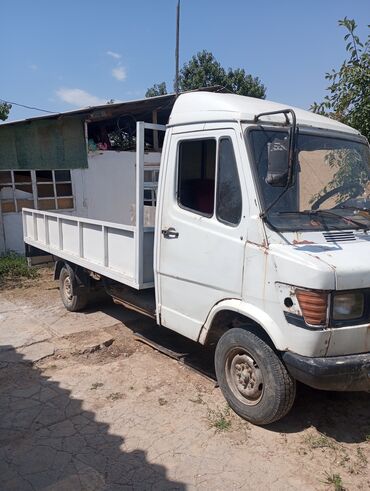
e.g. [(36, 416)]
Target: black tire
[(80, 297), (252, 377)]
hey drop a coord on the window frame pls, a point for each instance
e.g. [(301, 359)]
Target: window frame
[(13, 184), (35, 195), (224, 222), (180, 205), (279, 127), (54, 184), (214, 215)]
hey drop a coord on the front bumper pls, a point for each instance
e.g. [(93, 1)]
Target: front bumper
[(341, 373)]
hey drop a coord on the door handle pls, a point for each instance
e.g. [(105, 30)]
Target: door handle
[(170, 233)]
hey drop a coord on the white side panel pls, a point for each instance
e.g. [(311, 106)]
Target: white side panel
[(40, 226), (119, 241), (93, 243), (53, 232), (28, 220), (70, 236)]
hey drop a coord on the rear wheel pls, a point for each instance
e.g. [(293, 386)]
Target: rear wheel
[(252, 377), (74, 299)]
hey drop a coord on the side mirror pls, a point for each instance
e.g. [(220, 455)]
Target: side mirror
[(278, 162)]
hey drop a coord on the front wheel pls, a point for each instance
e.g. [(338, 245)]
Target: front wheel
[(252, 377)]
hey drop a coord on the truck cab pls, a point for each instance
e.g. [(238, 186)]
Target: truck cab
[(242, 256), (261, 246)]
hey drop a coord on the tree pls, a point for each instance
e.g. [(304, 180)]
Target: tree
[(4, 110), (239, 82), (203, 70), (349, 103), (157, 89), (349, 90)]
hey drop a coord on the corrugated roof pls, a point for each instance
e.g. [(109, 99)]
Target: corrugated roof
[(108, 110), (148, 104)]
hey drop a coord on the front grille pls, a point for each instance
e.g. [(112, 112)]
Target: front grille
[(339, 236)]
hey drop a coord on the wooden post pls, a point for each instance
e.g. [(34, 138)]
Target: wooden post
[(2, 232), (155, 132)]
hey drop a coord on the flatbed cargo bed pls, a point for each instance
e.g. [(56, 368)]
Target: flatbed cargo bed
[(121, 252), (109, 249)]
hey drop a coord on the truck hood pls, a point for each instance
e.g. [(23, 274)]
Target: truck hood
[(341, 262)]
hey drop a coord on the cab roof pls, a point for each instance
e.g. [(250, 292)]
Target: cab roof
[(202, 107)]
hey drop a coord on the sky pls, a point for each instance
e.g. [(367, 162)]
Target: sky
[(61, 55)]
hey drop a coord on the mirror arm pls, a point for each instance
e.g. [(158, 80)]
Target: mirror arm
[(293, 133)]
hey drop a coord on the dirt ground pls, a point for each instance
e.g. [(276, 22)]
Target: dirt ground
[(86, 406)]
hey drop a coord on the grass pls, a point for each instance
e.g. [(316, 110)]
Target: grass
[(319, 441), (198, 400), (220, 420), (334, 480), (115, 396), (14, 266), (96, 385), (361, 460)]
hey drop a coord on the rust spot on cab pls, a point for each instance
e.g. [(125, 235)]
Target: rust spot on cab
[(299, 242)]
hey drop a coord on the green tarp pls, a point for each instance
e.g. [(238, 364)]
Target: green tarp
[(44, 144)]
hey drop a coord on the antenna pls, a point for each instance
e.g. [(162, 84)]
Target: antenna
[(177, 48)]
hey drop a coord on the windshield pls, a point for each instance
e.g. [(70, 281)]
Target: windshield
[(330, 188)]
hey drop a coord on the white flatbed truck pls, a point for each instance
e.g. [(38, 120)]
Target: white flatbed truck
[(260, 247)]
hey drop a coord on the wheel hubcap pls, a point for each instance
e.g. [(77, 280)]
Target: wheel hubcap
[(68, 288), (244, 376)]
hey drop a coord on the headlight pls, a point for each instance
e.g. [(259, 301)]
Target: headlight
[(348, 306)]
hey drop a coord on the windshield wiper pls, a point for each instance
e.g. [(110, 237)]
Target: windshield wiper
[(351, 207), (328, 213)]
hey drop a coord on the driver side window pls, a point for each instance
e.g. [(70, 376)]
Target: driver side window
[(197, 179)]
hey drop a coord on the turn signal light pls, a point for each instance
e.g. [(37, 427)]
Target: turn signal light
[(314, 306)]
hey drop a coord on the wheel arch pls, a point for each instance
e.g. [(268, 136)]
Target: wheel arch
[(236, 313), (58, 266), (80, 277)]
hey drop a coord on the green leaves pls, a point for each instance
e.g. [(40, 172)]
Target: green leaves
[(203, 70), (349, 98), (4, 110), (157, 89)]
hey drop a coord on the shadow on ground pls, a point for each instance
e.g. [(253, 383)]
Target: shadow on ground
[(49, 441), (344, 416)]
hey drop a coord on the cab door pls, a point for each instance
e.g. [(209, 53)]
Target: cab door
[(202, 218)]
